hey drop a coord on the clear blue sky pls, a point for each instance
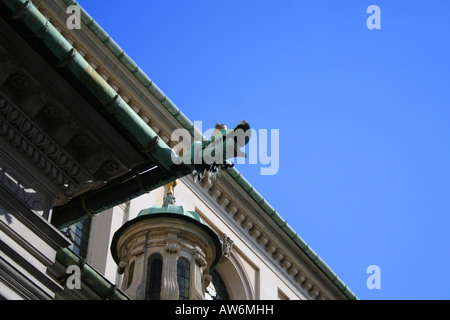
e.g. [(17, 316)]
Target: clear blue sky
[(363, 117)]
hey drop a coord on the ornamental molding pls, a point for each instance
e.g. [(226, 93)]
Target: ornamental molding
[(172, 247), (199, 258), (22, 133), (137, 251), (227, 245)]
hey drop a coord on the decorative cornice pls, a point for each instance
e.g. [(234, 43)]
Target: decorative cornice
[(38, 147)]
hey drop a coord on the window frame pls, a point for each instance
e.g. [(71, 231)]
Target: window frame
[(153, 293)]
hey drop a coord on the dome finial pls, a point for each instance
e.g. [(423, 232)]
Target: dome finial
[(169, 197)]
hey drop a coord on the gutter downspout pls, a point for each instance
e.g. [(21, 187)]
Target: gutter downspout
[(111, 195)]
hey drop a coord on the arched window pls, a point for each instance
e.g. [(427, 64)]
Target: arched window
[(216, 289), (154, 271), (183, 278)]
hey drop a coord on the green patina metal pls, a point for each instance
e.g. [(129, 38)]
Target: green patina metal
[(208, 156), (124, 190), (91, 277), (173, 209)]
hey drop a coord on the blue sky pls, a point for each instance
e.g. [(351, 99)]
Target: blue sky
[(363, 117)]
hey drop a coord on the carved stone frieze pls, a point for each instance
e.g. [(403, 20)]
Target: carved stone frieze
[(22, 133), (81, 140)]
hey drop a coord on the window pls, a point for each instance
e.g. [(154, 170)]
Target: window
[(79, 234), (154, 271), (216, 289), (183, 278)]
